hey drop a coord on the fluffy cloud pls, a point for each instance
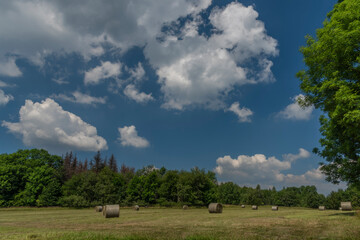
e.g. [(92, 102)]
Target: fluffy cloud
[(303, 153), (193, 69), (105, 70), (295, 112), (197, 70), (129, 137), (268, 171), (39, 27), (4, 99), (47, 125), (131, 92), (78, 97), (243, 114)]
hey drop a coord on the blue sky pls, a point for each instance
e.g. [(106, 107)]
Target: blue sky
[(170, 83)]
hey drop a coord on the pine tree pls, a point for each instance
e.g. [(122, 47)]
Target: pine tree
[(112, 163)]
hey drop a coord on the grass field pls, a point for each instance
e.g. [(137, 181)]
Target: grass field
[(167, 223)]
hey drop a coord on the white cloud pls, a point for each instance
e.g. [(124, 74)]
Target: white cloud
[(193, 69), (269, 171), (201, 71), (129, 137), (137, 73), (295, 112), (40, 27), (8, 68), (4, 99), (47, 125), (105, 70), (60, 81), (4, 84), (243, 114), (303, 153), (78, 97), (131, 92)]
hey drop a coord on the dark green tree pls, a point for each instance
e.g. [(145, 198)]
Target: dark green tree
[(332, 83)]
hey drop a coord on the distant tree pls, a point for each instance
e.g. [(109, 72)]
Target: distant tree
[(97, 163), (168, 188), (332, 83), (229, 193), (112, 164)]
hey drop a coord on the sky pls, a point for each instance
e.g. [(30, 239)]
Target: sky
[(179, 84)]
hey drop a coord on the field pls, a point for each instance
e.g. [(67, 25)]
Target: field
[(171, 223)]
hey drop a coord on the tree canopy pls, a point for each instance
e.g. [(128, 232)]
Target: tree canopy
[(37, 178), (332, 84)]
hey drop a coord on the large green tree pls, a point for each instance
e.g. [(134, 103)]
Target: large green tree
[(30, 178), (332, 83)]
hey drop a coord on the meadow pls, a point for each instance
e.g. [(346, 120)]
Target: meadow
[(172, 223)]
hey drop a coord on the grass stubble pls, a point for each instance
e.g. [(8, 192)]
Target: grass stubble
[(172, 223)]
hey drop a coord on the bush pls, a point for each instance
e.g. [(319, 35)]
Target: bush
[(74, 201)]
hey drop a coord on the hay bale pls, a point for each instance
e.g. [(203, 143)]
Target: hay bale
[(242, 206), (136, 208), (104, 210), (322, 208), (346, 206), (254, 207), (274, 208), (112, 211), (98, 209), (185, 207), (340, 208), (215, 208)]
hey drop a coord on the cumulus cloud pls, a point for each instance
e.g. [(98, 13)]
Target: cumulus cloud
[(243, 114), (105, 70), (193, 69), (131, 92), (82, 98), (197, 70), (40, 27), (4, 99), (129, 137), (46, 125), (268, 171), (295, 112), (303, 153)]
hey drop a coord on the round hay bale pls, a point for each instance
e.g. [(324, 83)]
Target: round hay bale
[(322, 208), (98, 209), (185, 207), (136, 208), (242, 206), (104, 210), (254, 207), (346, 206), (340, 208), (274, 208), (215, 208), (112, 211)]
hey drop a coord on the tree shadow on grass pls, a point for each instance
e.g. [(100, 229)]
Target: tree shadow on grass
[(343, 214)]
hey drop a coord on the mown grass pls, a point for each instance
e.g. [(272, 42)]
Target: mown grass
[(167, 223)]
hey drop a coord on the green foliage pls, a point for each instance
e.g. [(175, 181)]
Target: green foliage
[(332, 84), (28, 174), (75, 201), (35, 178)]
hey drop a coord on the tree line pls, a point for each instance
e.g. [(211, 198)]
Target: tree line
[(36, 178)]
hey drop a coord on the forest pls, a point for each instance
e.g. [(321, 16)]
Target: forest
[(36, 178)]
